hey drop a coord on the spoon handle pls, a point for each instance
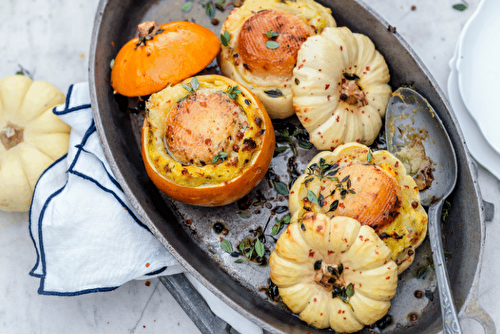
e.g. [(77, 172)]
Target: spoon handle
[(448, 311)]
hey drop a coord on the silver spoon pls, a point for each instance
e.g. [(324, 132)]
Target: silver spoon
[(409, 121)]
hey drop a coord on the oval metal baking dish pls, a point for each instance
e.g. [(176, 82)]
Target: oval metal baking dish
[(187, 231)]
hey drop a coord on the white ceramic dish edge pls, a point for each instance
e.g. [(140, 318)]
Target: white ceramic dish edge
[(478, 51), (477, 143)]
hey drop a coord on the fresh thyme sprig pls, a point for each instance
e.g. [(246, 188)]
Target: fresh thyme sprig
[(191, 87), (280, 223), (233, 92)]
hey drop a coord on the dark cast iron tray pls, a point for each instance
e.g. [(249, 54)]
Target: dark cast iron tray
[(187, 231)]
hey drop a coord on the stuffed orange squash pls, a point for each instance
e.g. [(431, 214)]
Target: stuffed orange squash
[(206, 141), (161, 55)]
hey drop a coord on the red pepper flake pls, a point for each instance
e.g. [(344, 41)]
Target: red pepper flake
[(315, 300), (327, 86), (358, 140), (300, 66), (311, 253), (341, 48), (147, 283), (147, 264), (112, 44), (328, 97), (367, 68), (319, 70), (330, 252), (388, 277)]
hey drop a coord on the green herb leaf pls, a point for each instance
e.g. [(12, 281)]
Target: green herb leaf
[(209, 9), (281, 188), (187, 6), (276, 229), (240, 261), (349, 290), (279, 224), (280, 149), (312, 197), (226, 246), (334, 205), (219, 7), (369, 156), (271, 34), (233, 92), (317, 265), (274, 92), (220, 156), (423, 272), (305, 145), (259, 248), (111, 64), (195, 84), (286, 219), (241, 247), (180, 100), (297, 81), (188, 88), (272, 45), (224, 38), (461, 7)]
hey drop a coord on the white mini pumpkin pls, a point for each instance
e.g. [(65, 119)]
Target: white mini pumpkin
[(340, 89), (333, 272), (31, 136)]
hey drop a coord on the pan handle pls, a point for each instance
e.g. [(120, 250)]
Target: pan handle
[(194, 305), (474, 311)]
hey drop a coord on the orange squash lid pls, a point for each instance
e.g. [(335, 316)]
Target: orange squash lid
[(161, 55)]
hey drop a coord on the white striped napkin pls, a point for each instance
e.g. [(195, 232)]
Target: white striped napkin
[(86, 234)]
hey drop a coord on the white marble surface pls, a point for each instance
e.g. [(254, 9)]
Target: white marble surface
[(51, 38)]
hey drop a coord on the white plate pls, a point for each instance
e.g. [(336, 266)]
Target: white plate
[(478, 66), (479, 147)]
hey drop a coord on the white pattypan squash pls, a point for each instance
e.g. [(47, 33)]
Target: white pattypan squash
[(340, 89), (333, 272), (31, 137)]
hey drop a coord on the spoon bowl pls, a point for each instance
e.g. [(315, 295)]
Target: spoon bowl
[(415, 134)]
